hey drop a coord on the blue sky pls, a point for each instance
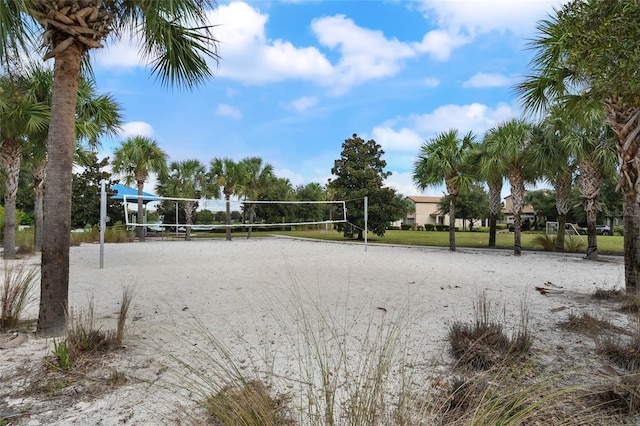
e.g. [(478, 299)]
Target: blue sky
[(296, 78)]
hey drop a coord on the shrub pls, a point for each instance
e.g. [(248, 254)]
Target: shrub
[(406, 226), (618, 230), (419, 228), (501, 226), (442, 227), (429, 227)]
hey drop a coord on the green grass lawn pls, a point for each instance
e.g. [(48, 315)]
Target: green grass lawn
[(606, 245)]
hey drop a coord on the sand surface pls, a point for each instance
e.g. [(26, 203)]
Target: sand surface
[(253, 296)]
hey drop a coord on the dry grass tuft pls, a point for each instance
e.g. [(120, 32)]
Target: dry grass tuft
[(248, 403), (621, 396), (19, 280), (614, 294), (590, 325), (514, 395), (484, 343)]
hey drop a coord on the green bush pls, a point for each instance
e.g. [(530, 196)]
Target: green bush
[(429, 227), (501, 226), (406, 227), (419, 228), (442, 227), (618, 230)]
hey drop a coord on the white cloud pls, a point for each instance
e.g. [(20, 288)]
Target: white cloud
[(304, 103), (136, 128), (482, 79), (294, 178), (404, 139), (439, 44), (250, 57), (365, 54), (225, 110), (473, 117), (431, 82), (123, 53), (407, 134), (403, 184), (474, 17)]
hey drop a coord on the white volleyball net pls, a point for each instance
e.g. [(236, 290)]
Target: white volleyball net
[(167, 213)]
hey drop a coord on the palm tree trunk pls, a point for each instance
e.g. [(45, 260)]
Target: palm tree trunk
[(188, 212), (495, 203), (227, 199), (140, 214), (563, 194), (252, 218), (10, 157), (452, 222), (54, 288), (624, 120), (38, 203), (590, 184), (631, 213), (516, 181)]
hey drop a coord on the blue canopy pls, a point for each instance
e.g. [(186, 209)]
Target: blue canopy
[(131, 193)]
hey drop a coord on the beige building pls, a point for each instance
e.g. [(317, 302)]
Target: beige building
[(427, 211), (527, 212)]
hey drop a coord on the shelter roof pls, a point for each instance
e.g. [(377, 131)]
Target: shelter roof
[(131, 193)]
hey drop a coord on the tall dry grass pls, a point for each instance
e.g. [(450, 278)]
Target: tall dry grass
[(20, 277)]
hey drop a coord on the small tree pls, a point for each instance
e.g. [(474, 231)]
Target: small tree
[(360, 173), (470, 207), (85, 201)]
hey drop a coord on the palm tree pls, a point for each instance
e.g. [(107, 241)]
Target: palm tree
[(19, 116), (96, 116), (578, 57), (135, 159), (593, 145), (487, 170), (555, 163), (444, 159), (185, 179), (258, 177), (174, 36), (508, 144), (230, 177)]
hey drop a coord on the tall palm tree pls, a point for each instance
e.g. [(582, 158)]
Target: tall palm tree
[(174, 36), (258, 177), (185, 179), (444, 159), (593, 145), (230, 177), (555, 163), (96, 116), (580, 54), (487, 170), (134, 160), (19, 116), (508, 143)]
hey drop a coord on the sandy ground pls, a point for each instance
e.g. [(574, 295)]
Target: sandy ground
[(253, 294)]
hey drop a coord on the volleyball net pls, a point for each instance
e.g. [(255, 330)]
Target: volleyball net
[(209, 214)]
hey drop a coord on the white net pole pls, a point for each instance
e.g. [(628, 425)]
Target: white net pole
[(366, 221)]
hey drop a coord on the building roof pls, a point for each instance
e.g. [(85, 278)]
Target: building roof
[(421, 199)]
